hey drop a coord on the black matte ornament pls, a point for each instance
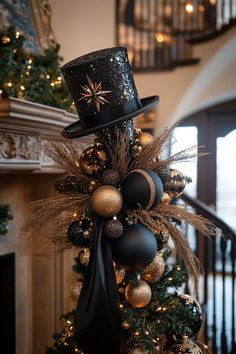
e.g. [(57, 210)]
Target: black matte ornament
[(141, 187), (75, 233), (135, 249)]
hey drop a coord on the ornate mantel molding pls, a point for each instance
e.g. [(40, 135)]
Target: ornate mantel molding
[(24, 128)]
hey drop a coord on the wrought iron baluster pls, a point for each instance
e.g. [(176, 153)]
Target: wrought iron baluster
[(223, 247), (232, 255)]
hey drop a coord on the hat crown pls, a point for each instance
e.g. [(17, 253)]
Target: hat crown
[(100, 81)]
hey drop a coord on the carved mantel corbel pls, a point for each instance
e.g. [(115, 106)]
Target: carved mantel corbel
[(24, 129)]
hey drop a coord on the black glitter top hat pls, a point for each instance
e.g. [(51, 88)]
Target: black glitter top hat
[(102, 85)]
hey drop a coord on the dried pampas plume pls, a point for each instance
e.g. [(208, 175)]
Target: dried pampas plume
[(161, 216)]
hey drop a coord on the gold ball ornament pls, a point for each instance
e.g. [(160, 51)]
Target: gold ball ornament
[(5, 39), (84, 256), (75, 290), (93, 161), (106, 201), (166, 198), (120, 274), (145, 139), (155, 270), (138, 296)]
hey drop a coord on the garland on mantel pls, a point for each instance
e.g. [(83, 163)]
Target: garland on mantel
[(5, 217), (32, 77)]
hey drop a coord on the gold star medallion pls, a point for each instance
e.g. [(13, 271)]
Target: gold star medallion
[(93, 94)]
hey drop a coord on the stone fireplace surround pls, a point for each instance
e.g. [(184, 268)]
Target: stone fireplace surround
[(26, 174)]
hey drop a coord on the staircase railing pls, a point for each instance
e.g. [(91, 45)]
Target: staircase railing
[(217, 289)]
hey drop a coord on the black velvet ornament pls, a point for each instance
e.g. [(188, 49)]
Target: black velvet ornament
[(141, 187), (135, 249), (75, 233)]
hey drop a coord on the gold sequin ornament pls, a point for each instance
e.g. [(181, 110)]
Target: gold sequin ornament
[(155, 270), (106, 201), (75, 290), (84, 256), (145, 139), (93, 161), (138, 296)]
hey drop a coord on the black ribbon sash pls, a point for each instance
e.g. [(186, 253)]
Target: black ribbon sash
[(97, 318)]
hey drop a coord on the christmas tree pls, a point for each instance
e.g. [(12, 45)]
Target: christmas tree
[(168, 322), (118, 205), (32, 77)]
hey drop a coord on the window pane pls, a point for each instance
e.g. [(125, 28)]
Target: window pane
[(184, 138)]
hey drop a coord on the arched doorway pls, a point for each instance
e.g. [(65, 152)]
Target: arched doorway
[(214, 183)]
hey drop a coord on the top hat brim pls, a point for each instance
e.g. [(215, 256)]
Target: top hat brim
[(75, 129)]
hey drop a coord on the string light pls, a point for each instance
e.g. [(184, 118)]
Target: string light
[(29, 66), (48, 76), (160, 38), (52, 84), (189, 8), (9, 84), (22, 87), (0, 92), (30, 61), (17, 34)]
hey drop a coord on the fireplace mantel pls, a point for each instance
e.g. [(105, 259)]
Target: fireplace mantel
[(24, 129)]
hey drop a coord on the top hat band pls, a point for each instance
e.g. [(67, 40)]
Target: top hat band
[(110, 115)]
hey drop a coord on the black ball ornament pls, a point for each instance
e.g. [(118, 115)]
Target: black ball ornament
[(135, 249), (142, 187), (113, 229), (194, 309), (93, 161), (77, 233)]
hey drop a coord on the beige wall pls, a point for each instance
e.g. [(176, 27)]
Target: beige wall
[(83, 26)]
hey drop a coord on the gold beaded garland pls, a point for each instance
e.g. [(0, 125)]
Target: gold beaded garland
[(155, 270), (106, 201), (138, 296)]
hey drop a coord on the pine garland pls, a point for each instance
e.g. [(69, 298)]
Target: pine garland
[(32, 77), (5, 217)]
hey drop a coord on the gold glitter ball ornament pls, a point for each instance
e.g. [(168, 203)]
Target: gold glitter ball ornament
[(106, 201), (138, 296), (93, 161), (155, 270), (84, 256), (75, 290), (145, 139)]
